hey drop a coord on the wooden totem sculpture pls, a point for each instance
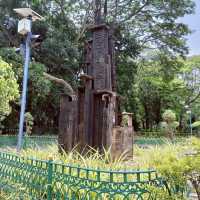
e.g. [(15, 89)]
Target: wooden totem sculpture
[(93, 118)]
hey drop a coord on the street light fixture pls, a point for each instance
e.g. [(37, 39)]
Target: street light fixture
[(24, 28), (26, 12)]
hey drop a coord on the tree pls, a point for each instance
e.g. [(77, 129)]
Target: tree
[(8, 88), (136, 26), (165, 82), (38, 89), (190, 93), (157, 85), (54, 52)]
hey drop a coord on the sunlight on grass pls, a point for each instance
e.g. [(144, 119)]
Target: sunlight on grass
[(143, 158)]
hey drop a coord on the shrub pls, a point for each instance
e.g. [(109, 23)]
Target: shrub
[(8, 88), (178, 164), (29, 123), (169, 124)]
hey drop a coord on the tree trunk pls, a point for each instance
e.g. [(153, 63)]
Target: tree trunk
[(181, 121), (147, 120)]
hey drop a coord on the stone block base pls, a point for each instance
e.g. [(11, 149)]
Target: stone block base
[(122, 142)]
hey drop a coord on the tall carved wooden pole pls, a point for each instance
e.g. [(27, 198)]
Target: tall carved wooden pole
[(92, 119)]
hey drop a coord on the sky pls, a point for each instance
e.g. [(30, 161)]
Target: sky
[(193, 22)]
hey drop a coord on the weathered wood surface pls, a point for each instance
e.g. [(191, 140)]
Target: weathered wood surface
[(92, 120), (67, 137), (88, 112), (81, 137), (100, 51), (112, 59)]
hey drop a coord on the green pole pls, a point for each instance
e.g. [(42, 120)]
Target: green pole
[(49, 179)]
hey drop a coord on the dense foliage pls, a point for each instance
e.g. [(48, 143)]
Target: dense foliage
[(178, 164), (172, 84), (139, 27), (8, 89)]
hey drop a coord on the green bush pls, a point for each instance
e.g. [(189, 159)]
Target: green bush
[(169, 124), (8, 88), (178, 164), (29, 123)]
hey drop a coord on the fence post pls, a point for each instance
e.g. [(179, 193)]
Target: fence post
[(49, 178)]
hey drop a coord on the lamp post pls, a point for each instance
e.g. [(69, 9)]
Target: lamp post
[(190, 116), (24, 28)]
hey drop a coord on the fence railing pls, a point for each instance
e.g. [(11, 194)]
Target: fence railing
[(46, 130), (161, 134), (50, 180), (42, 141), (156, 140), (28, 141)]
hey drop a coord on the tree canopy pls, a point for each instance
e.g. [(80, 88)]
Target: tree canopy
[(150, 44)]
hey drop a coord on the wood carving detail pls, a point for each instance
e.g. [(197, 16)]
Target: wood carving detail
[(91, 120)]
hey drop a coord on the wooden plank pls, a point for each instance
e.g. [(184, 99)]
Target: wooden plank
[(87, 112), (80, 126), (111, 48), (100, 51), (66, 135)]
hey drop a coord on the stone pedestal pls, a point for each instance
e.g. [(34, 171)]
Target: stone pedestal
[(122, 138)]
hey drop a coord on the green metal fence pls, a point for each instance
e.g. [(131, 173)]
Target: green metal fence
[(56, 181), (39, 141), (42, 141), (29, 141), (161, 134), (8, 141), (146, 141)]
